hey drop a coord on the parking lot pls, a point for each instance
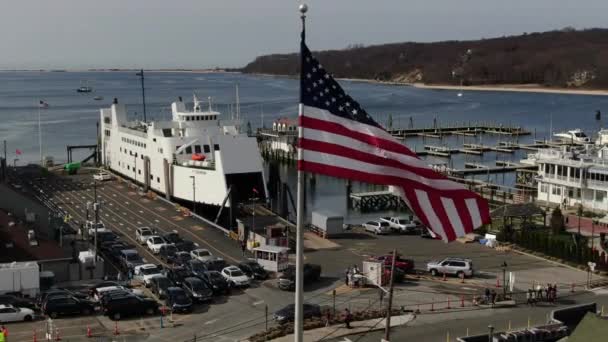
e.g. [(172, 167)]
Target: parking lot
[(244, 311)]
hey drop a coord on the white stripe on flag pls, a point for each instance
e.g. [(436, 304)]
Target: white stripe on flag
[(450, 209), (429, 212), (473, 211), (344, 162)]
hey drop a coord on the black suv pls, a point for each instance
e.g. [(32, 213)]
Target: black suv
[(129, 305), (197, 289), (67, 305), (253, 270), (17, 302), (196, 267), (159, 286), (177, 274), (167, 253), (287, 313), (216, 281), (287, 280), (177, 300)]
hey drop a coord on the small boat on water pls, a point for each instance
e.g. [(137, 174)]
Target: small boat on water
[(575, 135), (84, 88), (98, 98)]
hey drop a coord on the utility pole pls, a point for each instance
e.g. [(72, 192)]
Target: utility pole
[(387, 330), (96, 208), (194, 194)]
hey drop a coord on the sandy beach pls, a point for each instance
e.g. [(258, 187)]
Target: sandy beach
[(524, 88)]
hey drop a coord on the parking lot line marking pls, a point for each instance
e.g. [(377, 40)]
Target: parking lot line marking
[(211, 321), (138, 222), (156, 220), (141, 211), (258, 302), (120, 223)]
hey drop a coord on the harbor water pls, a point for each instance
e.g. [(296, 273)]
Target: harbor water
[(71, 117)]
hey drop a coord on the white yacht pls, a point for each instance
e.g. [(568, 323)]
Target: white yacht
[(194, 157), (575, 135)]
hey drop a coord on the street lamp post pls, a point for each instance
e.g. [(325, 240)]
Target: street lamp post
[(504, 280), (193, 194)]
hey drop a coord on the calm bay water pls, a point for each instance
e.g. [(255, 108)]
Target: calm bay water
[(71, 118)]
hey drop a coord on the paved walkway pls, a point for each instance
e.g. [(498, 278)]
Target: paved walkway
[(357, 328)]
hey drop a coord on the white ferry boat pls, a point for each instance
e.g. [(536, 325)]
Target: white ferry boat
[(572, 175), (575, 135), (195, 157)]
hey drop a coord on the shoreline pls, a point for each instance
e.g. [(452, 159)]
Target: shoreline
[(523, 88)]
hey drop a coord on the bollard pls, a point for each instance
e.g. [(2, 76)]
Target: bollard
[(467, 332), (448, 304), (116, 332), (528, 322), (161, 322), (509, 327), (462, 301)]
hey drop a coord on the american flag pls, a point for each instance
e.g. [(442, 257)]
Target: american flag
[(340, 139)]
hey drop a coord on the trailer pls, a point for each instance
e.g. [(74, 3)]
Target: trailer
[(327, 223), (20, 277)]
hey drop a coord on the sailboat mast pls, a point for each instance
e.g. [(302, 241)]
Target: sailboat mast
[(143, 92)]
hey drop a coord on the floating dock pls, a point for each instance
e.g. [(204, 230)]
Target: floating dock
[(458, 129)]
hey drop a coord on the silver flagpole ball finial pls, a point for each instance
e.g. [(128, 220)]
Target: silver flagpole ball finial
[(303, 8)]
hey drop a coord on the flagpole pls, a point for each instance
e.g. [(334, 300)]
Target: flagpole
[(299, 300), (40, 134)]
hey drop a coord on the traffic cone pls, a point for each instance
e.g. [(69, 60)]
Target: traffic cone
[(57, 335), (444, 278), (116, 332), (89, 334), (34, 339)]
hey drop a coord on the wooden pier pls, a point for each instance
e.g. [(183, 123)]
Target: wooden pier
[(501, 166), (458, 129)]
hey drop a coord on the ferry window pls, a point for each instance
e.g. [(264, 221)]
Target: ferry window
[(121, 149), (216, 147), (161, 150), (578, 193), (135, 154), (206, 148), (129, 167), (139, 171), (144, 145), (142, 157), (197, 148), (154, 139), (599, 196), (577, 173), (543, 188), (151, 177), (602, 178), (158, 179), (189, 150), (187, 118)]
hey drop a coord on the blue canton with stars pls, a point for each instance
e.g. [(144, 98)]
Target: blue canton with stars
[(319, 89)]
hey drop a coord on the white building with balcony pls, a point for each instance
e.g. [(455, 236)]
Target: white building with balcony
[(570, 176)]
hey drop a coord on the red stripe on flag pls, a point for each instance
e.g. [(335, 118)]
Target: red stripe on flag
[(443, 216), (463, 213), (335, 128), (339, 150)]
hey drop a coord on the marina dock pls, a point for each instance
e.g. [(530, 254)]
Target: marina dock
[(474, 129)]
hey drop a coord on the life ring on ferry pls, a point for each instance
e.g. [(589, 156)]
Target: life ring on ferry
[(198, 157)]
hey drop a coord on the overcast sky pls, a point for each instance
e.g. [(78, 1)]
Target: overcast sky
[(78, 34)]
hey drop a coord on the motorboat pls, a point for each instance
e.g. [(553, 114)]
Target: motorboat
[(575, 135)]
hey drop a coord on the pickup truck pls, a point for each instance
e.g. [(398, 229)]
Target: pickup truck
[(405, 265), (400, 224)]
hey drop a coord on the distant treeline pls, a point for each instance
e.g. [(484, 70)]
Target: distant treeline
[(565, 58)]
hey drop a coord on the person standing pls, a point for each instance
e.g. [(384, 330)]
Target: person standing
[(3, 334), (487, 295), (348, 317), (244, 247), (493, 297)]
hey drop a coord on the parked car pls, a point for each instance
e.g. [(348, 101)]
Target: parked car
[(56, 292), (287, 314), (287, 279), (235, 276), (181, 258), (459, 267), (90, 228), (131, 305), (102, 176), (142, 234), (196, 267), (253, 270), (104, 237), (9, 313), (216, 281), (400, 224), (201, 254), (154, 243), (67, 305), (159, 285), (146, 272), (406, 265), (93, 289), (215, 263), (103, 291), (185, 246), (177, 300), (167, 253), (15, 301), (197, 289), (129, 258), (376, 227), (177, 274), (173, 237), (116, 248)]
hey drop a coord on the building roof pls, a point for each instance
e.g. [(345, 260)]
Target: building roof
[(517, 210), (287, 121), (21, 249), (591, 329)]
